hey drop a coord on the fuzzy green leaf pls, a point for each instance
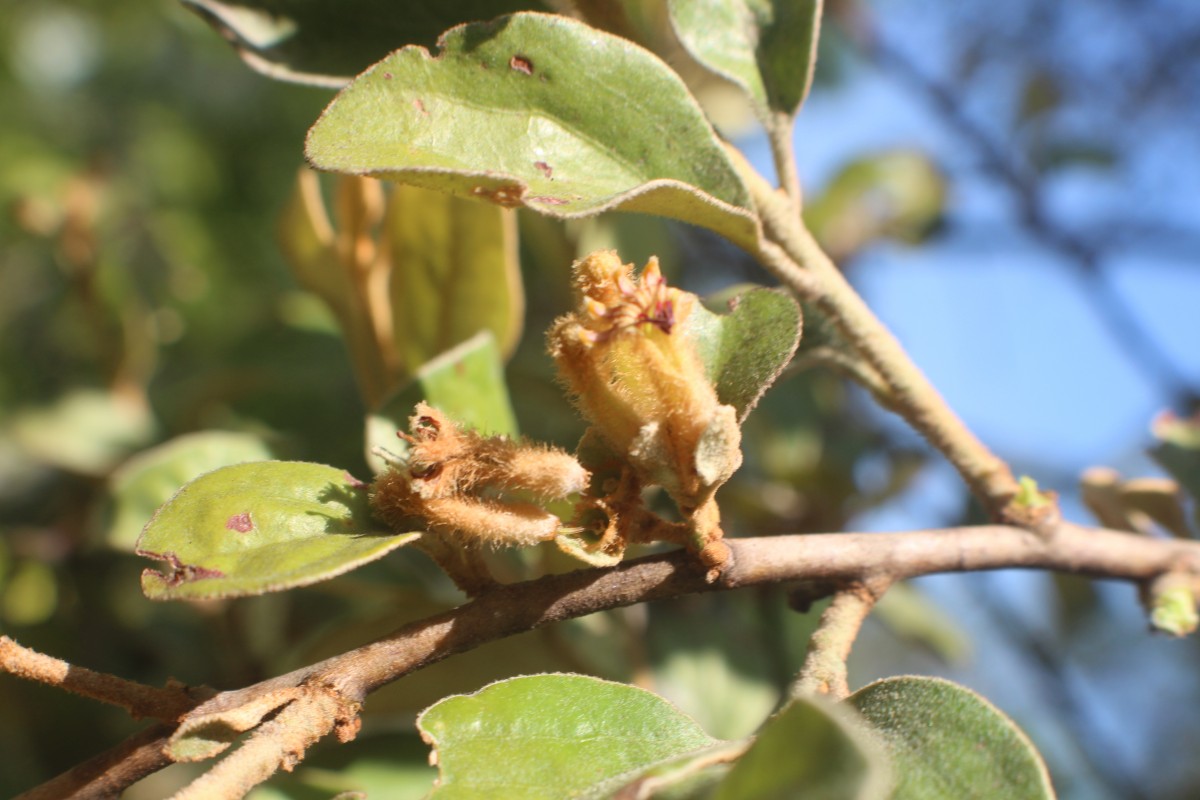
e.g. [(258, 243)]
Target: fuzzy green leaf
[(745, 350), (813, 750), (540, 111), (325, 44), (766, 47), (948, 743), (146, 481), (88, 431), (466, 382), (552, 736), (261, 527)]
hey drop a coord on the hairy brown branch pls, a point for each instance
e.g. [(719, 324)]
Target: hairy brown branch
[(138, 699), (824, 670), (840, 559)]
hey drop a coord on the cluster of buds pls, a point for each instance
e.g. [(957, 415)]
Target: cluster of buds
[(634, 371), (470, 491)]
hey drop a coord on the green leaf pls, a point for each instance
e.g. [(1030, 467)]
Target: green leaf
[(813, 750), (909, 614), (146, 481), (552, 736), (745, 350), (948, 742), (768, 48), (539, 111), (693, 776), (87, 431), (455, 272), (436, 268), (261, 527), (467, 383), (324, 44), (1178, 450)]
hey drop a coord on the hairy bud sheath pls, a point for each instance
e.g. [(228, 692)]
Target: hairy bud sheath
[(459, 484), (626, 356)]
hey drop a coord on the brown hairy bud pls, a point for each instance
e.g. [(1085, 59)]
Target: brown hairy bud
[(634, 371), (459, 484)]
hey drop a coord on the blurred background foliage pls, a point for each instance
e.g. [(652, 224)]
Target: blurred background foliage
[(144, 298)]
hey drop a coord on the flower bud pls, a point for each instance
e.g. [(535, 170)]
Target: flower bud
[(634, 371)]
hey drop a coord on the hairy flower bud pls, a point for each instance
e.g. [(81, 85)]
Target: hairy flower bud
[(634, 370), (635, 373), (460, 484)]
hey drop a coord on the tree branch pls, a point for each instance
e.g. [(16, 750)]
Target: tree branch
[(107, 775), (138, 699), (865, 559), (909, 392), (824, 670)]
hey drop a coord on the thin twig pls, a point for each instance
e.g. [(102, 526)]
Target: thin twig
[(779, 134), (138, 699), (107, 775), (280, 742), (824, 670)]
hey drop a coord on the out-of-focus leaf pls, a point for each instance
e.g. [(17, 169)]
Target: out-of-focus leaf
[(812, 750), (745, 349), (552, 736), (1178, 450), (325, 44), (948, 743), (261, 527), (910, 614), (766, 47), (29, 594), (898, 194), (146, 481), (1100, 490), (1136, 504), (1065, 153), (86, 431), (718, 672), (539, 111), (1041, 94), (409, 273), (1159, 499), (467, 383), (454, 273)]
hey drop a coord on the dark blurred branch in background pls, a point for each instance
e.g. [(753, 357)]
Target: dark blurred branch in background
[(1085, 255)]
